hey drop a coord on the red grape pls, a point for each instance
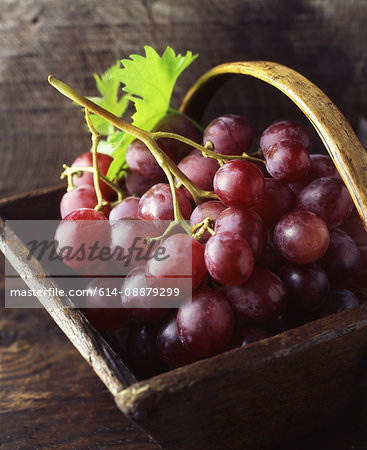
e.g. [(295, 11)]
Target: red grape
[(157, 203), (77, 233), (205, 323), (141, 161), (102, 305), (260, 299), (228, 258), (287, 161), (289, 130), (143, 306), (170, 348), (129, 207), (328, 198), (320, 166), (86, 160), (277, 199), (239, 183), (80, 197), (182, 266), (230, 134), (127, 234), (199, 169), (302, 237), (137, 185), (248, 224)]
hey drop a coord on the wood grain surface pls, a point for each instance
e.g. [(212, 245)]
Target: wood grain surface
[(323, 40), (50, 397)]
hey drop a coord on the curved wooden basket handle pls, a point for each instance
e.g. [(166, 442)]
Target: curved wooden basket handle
[(337, 135)]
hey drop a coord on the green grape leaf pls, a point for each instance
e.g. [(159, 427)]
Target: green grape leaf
[(109, 99), (149, 83)]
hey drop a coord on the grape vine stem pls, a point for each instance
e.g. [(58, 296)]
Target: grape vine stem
[(148, 138), (204, 149), (70, 171), (96, 174)]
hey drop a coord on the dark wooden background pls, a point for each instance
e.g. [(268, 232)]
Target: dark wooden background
[(50, 397)]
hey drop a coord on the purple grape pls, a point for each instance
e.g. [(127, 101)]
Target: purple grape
[(157, 203), (205, 323), (182, 267), (260, 299), (129, 207), (272, 259), (328, 198), (307, 285), (102, 305), (337, 300), (229, 258), (320, 166), (137, 185), (129, 234), (230, 134), (354, 227), (141, 161), (287, 161), (144, 309), (239, 183), (142, 351), (342, 258), (302, 237), (289, 130), (277, 200), (86, 160), (199, 170), (170, 348), (248, 224)]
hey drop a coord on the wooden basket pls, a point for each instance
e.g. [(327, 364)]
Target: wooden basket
[(265, 393)]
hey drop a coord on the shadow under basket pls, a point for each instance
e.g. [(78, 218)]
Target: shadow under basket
[(260, 395)]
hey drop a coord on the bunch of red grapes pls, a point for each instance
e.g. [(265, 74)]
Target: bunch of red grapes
[(270, 254)]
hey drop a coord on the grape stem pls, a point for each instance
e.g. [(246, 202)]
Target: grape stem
[(205, 149), (148, 138), (69, 176), (171, 226), (95, 139), (176, 208), (75, 170), (200, 228)]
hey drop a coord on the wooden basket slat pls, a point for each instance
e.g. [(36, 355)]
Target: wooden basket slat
[(260, 394), (90, 343)]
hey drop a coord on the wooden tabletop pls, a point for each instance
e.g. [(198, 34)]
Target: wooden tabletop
[(50, 397)]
